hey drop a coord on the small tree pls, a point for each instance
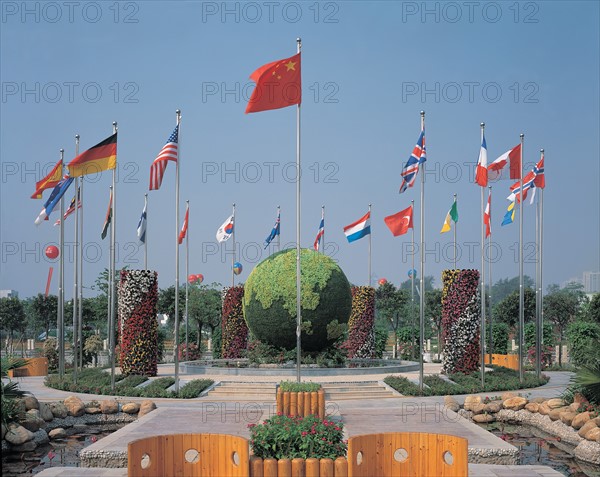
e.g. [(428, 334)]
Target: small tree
[(389, 305), (593, 311), (507, 310), (433, 308), (12, 320), (43, 310)]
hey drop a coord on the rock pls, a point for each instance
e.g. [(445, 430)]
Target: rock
[(593, 434), (75, 406), (57, 433), (470, 401), (515, 403), (478, 408), (146, 406), (579, 398), (532, 407), (25, 447), (507, 395), (59, 410), (556, 402), (555, 413), (483, 418), (493, 407), (4, 430), (580, 419), (109, 406), (539, 400), (132, 407), (544, 410), (46, 412), (17, 434), (33, 421), (574, 406), (31, 403), (587, 427), (80, 428), (40, 437), (93, 410), (567, 417)]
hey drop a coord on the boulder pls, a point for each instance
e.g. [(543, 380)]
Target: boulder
[(40, 437), (109, 406), (579, 398), (539, 400), (493, 407), (59, 410), (25, 447), (532, 407), (131, 408), (4, 430), (586, 428), (483, 418), (544, 410), (556, 402), (470, 401), (146, 406), (515, 403), (507, 395), (478, 408), (75, 406), (567, 417), (57, 433), (93, 410), (580, 419), (33, 422), (555, 413), (31, 403), (17, 434), (593, 434), (574, 406), (46, 412)]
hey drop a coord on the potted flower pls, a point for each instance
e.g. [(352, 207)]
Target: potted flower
[(300, 399)]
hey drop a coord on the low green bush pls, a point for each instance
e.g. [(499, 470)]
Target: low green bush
[(294, 387), (404, 386), (193, 389)]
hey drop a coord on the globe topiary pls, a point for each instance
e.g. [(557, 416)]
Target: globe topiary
[(270, 299)]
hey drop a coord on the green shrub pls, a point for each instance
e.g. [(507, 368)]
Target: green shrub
[(584, 337), (50, 352), (193, 389), (131, 381), (404, 386), (294, 387), (500, 338)]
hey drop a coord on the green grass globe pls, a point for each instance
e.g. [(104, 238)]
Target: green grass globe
[(270, 299)]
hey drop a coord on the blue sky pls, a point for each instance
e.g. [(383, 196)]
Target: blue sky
[(368, 68)]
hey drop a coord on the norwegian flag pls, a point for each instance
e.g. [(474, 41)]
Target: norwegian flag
[(538, 170), (418, 156), (169, 152)]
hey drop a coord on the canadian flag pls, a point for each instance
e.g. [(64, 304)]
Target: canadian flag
[(514, 157)]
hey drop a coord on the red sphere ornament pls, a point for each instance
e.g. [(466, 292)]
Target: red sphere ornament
[(52, 252), (382, 281), (199, 278), (191, 278)]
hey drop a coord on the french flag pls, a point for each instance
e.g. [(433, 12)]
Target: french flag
[(358, 229), (481, 173)]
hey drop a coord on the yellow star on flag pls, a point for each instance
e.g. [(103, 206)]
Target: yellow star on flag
[(290, 65)]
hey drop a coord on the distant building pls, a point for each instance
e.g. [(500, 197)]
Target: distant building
[(591, 282), (9, 294)]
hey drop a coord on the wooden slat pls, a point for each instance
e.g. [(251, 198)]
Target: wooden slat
[(279, 400), (314, 403), (284, 468), (312, 467), (300, 404), (293, 404), (326, 468), (256, 467), (321, 401), (286, 403), (306, 403), (298, 467), (341, 467), (270, 467)]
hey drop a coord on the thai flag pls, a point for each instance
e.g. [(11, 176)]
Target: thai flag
[(418, 156), (358, 229), (320, 233)]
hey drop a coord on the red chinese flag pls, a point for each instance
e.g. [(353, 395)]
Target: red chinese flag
[(400, 223), (278, 85)]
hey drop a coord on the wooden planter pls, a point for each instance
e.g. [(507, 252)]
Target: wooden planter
[(301, 403), (510, 361), (298, 467), (34, 367)]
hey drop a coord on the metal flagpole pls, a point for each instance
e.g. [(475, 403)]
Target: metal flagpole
[(540, 238), (234, 250), (323, 236), (279, 229), (521, 287), (538, 331), (176, 352), (422, 271), (113, 291), (370, 235), (146, 233), (75, 270), (61, 281), (412, 283), (491, 350), (542, 258), (80, 282), (298, 270), (482, 280), (187, 271), (455, 227), (109, 290)]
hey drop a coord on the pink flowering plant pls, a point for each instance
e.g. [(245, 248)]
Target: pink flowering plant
[(284, 437)]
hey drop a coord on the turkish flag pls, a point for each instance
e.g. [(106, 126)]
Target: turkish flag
[(400, 223), (278, 85)]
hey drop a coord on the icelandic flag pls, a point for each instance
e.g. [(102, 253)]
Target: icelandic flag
[(54, 198), (418, 156), (320, 233), (225, 230), (141, 228), (358, 229), (275, 231), (481, 173)]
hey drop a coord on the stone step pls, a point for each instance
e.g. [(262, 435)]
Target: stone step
[(358, 395), (347, 388)]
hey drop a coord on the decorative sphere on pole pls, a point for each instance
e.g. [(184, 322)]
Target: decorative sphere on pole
[(412, 273), (382, 281), (52, 252), (237, 268), (199, 278)]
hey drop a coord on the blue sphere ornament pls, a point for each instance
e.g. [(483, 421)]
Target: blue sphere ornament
[(237, 268), (412, 273)]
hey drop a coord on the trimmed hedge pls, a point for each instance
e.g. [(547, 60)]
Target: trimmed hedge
[(270, 299)]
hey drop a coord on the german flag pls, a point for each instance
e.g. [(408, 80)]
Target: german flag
[(101, 157), (48, 182)]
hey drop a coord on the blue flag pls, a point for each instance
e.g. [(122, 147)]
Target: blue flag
[(54, 198), (509, 217), (141, 228), (275, 232)]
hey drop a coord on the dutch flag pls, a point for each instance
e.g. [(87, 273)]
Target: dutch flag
[(358, 229)]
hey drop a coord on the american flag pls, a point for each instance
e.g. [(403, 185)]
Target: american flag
[(71, 208), (169, 152), (418, 156)]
